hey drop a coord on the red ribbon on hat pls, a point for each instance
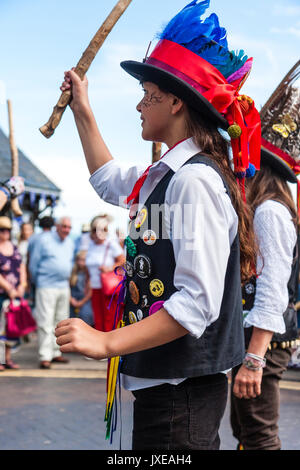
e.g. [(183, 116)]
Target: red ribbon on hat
[(294, 166), (224, 96)]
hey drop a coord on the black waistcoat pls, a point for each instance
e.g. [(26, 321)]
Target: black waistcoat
[(290, 315), (222, 344)]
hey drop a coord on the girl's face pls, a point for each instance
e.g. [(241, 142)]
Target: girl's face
[(99, 232), (4, 235), (27, 231), (155, 109), (81, 262)]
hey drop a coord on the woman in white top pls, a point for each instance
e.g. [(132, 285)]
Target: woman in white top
[(25, 234), (103, 255), (270, 316)]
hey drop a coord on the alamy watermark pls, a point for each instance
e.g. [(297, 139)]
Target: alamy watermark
[(176, 222), (168, 222)]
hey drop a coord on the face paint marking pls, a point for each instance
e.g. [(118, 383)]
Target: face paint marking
[(151, 100)]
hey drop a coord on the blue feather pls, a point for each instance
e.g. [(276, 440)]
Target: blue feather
[(184, 20), (205, 38)]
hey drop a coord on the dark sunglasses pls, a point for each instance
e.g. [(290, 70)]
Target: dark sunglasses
[(94, 230), (2, 229)]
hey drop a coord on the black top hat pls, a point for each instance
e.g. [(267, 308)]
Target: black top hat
[(192, 61)]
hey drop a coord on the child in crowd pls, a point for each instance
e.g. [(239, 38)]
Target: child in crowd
[(81, 291)]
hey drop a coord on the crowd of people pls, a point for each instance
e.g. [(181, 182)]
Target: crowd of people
[(59, 277)]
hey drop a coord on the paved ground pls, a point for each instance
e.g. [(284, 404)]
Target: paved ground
[(64, 408)]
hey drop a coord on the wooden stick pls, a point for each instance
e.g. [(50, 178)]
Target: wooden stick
[(84, 63), (14, 159), (156, 151)]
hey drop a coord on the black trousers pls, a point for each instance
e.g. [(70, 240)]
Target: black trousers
[(255, 421), (180, 417)]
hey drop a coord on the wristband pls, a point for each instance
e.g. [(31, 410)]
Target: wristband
[(254, 362), (5, 191)]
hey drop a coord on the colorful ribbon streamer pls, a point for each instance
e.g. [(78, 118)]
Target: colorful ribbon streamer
[(113, 365)]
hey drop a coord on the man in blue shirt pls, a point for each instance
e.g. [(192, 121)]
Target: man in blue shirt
[(50, 267)]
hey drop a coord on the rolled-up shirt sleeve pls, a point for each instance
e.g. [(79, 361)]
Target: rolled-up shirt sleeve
[(113, 183), (276, 236), (201, 241)]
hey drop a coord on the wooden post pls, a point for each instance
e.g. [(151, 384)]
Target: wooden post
[(83, 65), (14, 159)]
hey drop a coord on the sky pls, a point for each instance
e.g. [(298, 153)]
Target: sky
[(40, 40)]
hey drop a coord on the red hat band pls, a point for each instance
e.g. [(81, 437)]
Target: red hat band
[(281, 154)]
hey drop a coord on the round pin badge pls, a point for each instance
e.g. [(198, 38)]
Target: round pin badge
[(134, 292), (157, 287), (249, 288), (149, 237), (140, 218), (142, 266), (129, 269), (139, 314), (132, 317), (155, 307)]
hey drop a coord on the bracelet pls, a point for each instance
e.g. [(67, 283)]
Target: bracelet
[(257, 358), (254, 362)]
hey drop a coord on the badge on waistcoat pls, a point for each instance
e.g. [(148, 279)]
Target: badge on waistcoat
[(129, 269), (149, 237), (142, 266), (140, 218), (156, 306), (144, 301), (130, 246), (134, 292), (249, 288), (139, 314), (132, 317), (157, 287)]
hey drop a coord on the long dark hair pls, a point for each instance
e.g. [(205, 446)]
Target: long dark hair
[(269, 185), (212, 144)]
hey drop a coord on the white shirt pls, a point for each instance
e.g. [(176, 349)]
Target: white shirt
[(23, 250), (200, 272), (277, 239), (99, 255)]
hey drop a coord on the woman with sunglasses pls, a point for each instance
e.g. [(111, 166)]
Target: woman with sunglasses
[(12, 283), (103, 255)]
